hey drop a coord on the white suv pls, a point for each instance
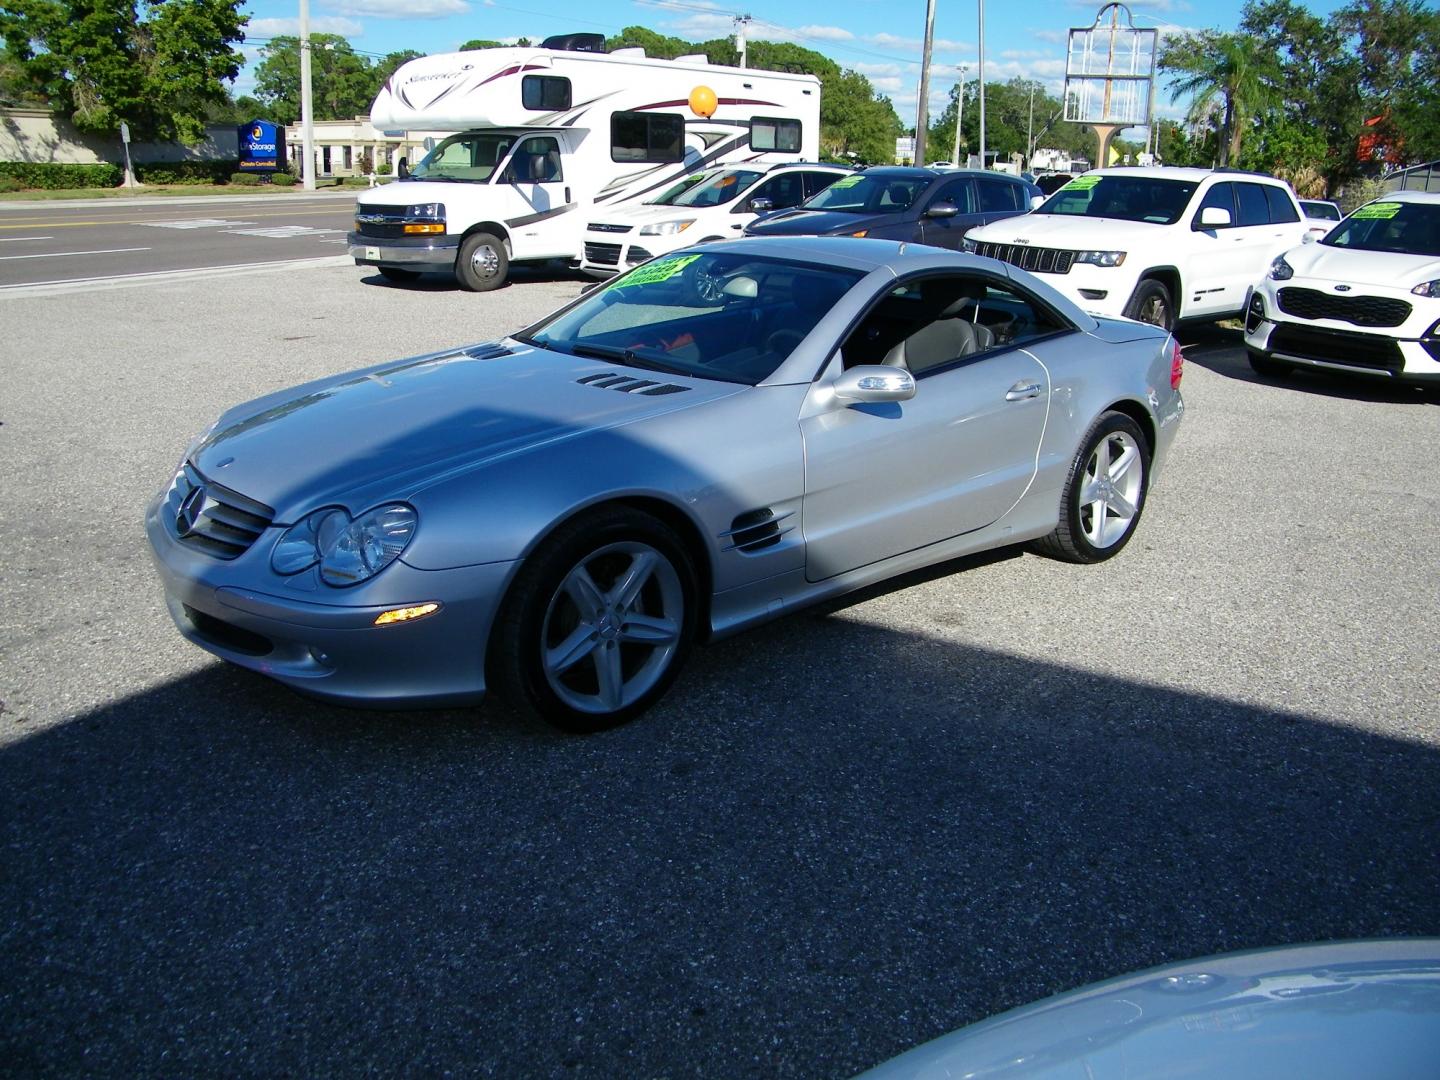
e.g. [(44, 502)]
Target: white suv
[(711, 210), (1157, 245)]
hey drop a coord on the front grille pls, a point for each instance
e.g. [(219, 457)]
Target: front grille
[(599, 227), (603, 254), (1359, 310), (379, 232), (1037, 260), (228, 635), (1337, 347), (218, 521)]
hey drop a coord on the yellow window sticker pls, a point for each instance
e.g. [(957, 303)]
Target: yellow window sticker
[(847, 181), (1377, 211), (1081, 183), (657, 271)]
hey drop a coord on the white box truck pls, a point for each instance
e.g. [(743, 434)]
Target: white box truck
[(544, 135)]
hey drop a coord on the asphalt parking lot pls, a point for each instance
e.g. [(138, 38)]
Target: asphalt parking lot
[(840, 835)]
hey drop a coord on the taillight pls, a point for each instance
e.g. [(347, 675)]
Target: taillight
[(1177, 364)]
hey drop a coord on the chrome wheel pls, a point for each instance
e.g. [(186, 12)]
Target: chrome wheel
[(612, 628), (1110, 490), (484, 261)]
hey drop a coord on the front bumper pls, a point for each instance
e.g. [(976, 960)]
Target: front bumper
[(324, 643), (1404, 353), (607, 254), (416, 252)]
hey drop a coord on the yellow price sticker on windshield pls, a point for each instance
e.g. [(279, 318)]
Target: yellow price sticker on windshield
[(657, 271), (847, 181), (1377, 211), (1081, 183)]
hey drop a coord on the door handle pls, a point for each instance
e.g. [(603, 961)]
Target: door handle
[(1023, 390), (567, 194)]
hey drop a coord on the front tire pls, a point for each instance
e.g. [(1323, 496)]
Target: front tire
[(1152, 304), (482, 264), (1104, 494), (598, 622)]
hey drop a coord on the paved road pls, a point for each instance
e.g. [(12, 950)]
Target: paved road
[(842, 834), (50, 243)]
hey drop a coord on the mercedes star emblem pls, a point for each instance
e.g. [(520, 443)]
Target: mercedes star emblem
[(189, 513)]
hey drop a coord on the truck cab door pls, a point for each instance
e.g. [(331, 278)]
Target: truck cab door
[(538, 209)]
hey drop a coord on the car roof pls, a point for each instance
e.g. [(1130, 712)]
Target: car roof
[(1409, 196), (1179, 172)]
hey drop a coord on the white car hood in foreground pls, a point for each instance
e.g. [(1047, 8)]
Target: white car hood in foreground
[(1070, 231), (638, 215), (1346, 266)]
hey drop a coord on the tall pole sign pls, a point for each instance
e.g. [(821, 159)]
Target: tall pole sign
[(922, 111), (1110, 76), (307, 105)]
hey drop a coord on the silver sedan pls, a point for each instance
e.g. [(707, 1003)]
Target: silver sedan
[(718, 437)]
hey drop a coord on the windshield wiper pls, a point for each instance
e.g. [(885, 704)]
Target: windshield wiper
[(623, 356)]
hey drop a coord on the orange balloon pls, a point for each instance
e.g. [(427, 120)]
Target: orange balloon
[(703, 101)]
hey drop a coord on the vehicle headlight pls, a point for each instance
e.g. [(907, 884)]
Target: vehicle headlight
[(666, 228), (1100, 258), (1280, 270), (348, 550), (966, 244), (430, 211), (1427, 288)]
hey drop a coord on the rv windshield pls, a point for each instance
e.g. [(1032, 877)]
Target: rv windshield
[(719, 189), (469, 157)]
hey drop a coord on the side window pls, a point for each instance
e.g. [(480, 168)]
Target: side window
[(996, 196), (774, 133), (645, 136), (545, 93), (537, 161), (1221, 195), (782, 191), (819, 181), (960, 192), (1281, 206), (1254, 210)]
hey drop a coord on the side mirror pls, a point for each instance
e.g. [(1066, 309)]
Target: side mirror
[(1310, 236), (872, 384), (942, 210), (1037, 201), (761, 204), (402, 168), (1214, 217)]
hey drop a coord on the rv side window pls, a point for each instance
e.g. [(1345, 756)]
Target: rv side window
[(772, 133), (544, 92), (637, 136)]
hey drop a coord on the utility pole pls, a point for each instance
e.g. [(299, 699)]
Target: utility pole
[(1030, 130), (982, 84), (742, 23), (922, 121), (307, 104), (960, 119)]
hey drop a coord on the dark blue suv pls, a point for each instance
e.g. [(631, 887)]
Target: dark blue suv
[(926, 206)]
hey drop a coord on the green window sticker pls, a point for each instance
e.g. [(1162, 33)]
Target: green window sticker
[(659, 270), (846, 181), (1081, 183), (1377, 211)]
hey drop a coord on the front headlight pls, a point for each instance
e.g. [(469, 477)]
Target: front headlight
[(430, 211), (1427, 288), (1280, 270), (1100, 258), (666, 228), (348, 550)]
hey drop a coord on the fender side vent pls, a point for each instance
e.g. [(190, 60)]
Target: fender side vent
[(756, 530)]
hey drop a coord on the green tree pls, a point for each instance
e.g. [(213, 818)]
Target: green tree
[(103, 61), (380, 74), (1008, 117), (638, 37), (480, 43), (1229, 72), (342, 81), (1397, 43)]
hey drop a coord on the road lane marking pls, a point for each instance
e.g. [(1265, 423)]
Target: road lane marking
[(17, 239), (160, 277), (61, 254), (193, 223), (350, 210), (283, 232)]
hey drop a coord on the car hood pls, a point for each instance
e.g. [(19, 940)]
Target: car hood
[(411, 192), (639, 214), (386, 432), (816, 223), (1346, 266), (1069, 231)]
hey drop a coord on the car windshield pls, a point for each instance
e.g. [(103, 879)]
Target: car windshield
[(1325, 210), (869, 193), (1129, 198), (469, 157), (718, 190), (1404, 228), (670, 194), (711, 315)]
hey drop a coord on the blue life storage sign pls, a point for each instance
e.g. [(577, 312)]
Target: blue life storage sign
[(262, 146)]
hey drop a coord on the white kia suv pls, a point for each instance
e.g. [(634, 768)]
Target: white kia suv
[(1158, 245)]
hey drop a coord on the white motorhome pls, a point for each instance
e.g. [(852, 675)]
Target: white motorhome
[(543, 135)]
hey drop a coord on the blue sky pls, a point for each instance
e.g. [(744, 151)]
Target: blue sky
[(881, 38)]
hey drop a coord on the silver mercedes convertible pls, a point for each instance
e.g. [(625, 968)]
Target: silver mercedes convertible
[(718, 437)]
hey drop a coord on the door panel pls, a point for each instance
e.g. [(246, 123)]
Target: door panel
[(539, 222), (948, 232)]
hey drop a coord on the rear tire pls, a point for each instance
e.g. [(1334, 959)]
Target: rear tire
[(1152, 303), (482, 264), (1104, 494), (1263, 366), (398, 273)]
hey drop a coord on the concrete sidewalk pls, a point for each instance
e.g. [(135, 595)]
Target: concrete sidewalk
[(180, 200)]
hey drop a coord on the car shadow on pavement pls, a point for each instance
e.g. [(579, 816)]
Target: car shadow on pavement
[(1222, 350), (446, 282), (831, 842)]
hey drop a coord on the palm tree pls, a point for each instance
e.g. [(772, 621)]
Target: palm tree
[(1228, 68)]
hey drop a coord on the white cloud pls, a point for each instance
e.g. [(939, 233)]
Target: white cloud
[(325, 24), (1022, 54), (915, 45), (825, 33), (1052, 36), (872, 70), (887, 84), (400, 9)]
